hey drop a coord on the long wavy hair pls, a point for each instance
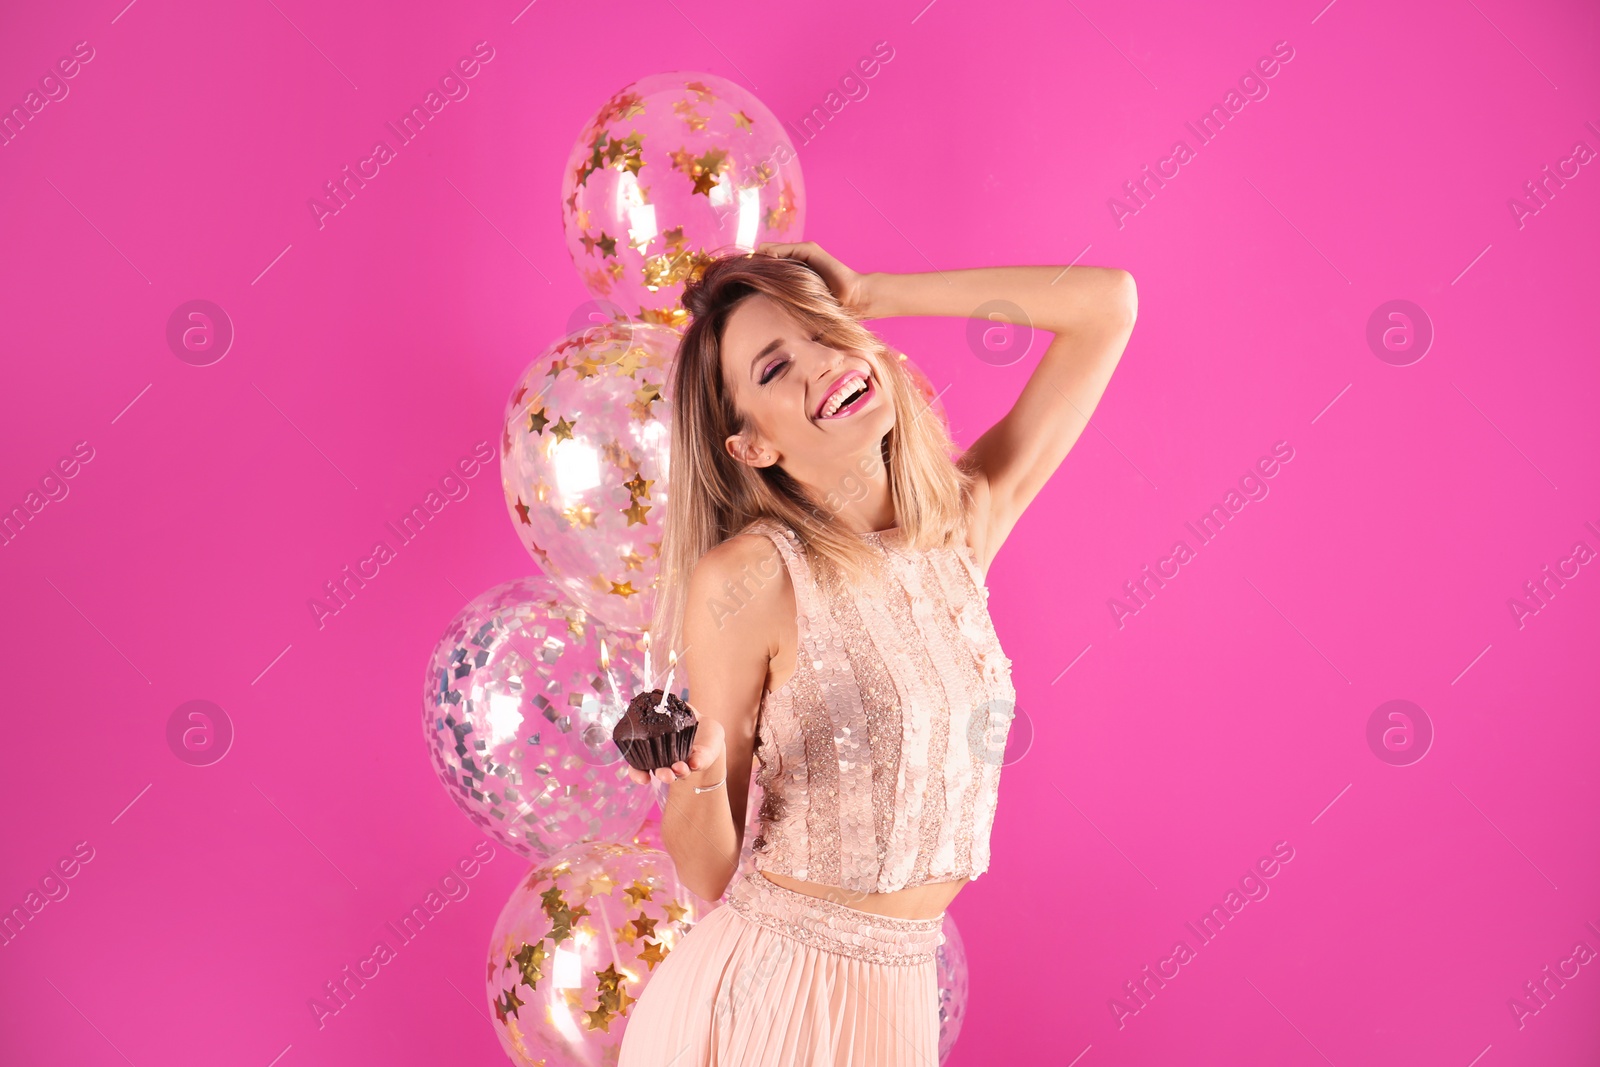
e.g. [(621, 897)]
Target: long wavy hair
[(713, 496)]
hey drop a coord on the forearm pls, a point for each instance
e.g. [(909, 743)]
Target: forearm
[(1053, 298), (699, 833)]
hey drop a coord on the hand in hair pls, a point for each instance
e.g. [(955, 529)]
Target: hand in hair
[(848, 287)]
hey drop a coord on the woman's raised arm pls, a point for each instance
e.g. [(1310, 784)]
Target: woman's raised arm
[(1091, 312)]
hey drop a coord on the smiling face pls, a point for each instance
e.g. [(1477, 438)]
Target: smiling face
[(789, 385)]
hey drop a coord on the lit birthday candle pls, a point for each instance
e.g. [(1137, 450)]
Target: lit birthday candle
[(672, 659), (648, 676), (605, 665)]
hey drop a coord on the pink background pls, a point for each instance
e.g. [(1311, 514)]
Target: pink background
[(1227, 715)]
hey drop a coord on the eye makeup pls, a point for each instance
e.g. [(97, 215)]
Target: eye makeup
[(773, 368)]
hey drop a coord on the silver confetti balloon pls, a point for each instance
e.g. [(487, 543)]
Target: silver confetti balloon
[(951, 962), (518, 716)]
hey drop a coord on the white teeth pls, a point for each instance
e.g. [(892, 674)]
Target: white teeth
[(856, 385)]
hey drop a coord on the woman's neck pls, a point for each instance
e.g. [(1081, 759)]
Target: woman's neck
[(873, 513), (863, 485)]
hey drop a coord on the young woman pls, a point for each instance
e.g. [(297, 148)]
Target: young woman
[(822, 581)]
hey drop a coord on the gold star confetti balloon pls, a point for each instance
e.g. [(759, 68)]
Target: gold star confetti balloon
[(518, 713), (673, 169), (575, 946), (583, 461)]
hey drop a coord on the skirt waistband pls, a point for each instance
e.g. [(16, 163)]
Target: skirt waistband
[(834, 927)]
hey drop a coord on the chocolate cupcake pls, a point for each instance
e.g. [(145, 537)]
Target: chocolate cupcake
[(650, 739)]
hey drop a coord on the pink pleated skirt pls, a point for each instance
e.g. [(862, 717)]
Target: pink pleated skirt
[(776, 977)]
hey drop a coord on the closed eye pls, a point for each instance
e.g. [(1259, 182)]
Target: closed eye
[(773, 368)]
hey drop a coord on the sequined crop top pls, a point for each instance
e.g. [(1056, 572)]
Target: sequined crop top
[(879, 759)]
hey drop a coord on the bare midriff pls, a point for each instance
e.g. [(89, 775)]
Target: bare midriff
[(915, 902)]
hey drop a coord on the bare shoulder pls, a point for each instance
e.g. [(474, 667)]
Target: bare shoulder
[(741, 553), (741, 580)]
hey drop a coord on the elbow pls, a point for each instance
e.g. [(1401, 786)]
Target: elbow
[(1126, 300), (706, 888), (1110, 306)]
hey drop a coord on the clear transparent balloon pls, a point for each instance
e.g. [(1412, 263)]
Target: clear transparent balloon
[(576, 944), (950, 961), (674, 169), (518, 716), (584, 465)]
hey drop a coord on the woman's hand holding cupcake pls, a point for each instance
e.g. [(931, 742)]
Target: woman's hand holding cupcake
[(707, 751)]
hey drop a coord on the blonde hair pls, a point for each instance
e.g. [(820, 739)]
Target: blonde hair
[(713, 496)]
